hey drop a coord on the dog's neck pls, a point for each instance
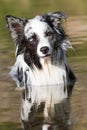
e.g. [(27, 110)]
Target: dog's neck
[(45, 61), (50, 74)]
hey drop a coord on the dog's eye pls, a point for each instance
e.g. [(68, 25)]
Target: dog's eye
[(32, 39), (48, 33)]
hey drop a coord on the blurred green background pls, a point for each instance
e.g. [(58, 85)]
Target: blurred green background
[(76, 28), (30, 8)]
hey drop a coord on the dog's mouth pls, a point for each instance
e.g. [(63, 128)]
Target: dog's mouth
[(45, 56)]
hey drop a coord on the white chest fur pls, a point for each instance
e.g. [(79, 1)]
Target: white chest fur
[(48, 83)]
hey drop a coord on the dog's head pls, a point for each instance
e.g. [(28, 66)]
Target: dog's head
[(40, 37)]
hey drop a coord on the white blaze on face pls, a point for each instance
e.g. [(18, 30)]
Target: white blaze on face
[(39, 28)]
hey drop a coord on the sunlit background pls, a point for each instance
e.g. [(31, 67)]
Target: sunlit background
[(76, 28)]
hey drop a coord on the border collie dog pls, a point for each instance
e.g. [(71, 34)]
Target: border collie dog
[(41, 70)]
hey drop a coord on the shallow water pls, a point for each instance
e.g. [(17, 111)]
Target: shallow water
[(10, 99)]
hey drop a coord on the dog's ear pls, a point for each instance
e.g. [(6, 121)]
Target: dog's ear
[(54, 19), (15, 26)]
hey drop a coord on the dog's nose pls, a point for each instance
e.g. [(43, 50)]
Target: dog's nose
[(44, 50)]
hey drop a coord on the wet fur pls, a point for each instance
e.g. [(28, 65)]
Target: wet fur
[(47, 83)]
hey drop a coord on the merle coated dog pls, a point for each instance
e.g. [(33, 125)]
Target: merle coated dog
[(41, 70)]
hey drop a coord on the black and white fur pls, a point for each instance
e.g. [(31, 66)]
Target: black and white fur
[(41, 69)]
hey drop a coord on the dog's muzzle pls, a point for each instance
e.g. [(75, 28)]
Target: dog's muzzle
[(44, 50)]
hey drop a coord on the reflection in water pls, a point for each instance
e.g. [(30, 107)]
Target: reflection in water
[(57, 119)]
